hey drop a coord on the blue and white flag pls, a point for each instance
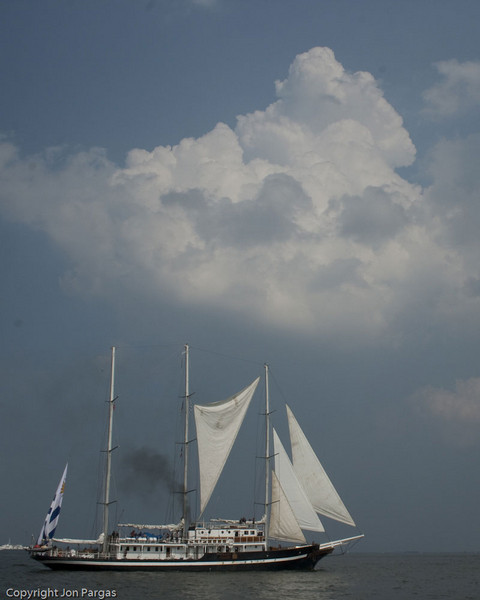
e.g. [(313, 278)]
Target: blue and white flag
[(51, 520)]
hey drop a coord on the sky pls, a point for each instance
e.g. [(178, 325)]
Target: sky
[(272, 181)]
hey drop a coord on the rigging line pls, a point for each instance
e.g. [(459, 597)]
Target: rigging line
[(230, 356), (134, 346), (277, 385)]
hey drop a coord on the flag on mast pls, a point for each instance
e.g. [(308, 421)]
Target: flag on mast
[(51, 520)]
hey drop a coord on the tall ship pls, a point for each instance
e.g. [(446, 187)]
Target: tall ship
[(296, 491)]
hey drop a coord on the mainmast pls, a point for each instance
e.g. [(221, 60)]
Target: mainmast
[(267, 453), (185, 441), (109, 450)]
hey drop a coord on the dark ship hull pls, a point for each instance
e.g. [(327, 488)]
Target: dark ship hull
[(297, 558)]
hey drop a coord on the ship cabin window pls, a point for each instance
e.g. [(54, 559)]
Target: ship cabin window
[(236, 534)]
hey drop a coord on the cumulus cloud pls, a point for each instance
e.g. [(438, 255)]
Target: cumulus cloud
[(295, 218), (457, 92), (319, 104)]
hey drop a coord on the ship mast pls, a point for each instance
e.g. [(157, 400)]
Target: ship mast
[(109, 450), (185, 441), (267, 453)]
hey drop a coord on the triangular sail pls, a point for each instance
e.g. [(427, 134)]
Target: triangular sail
[(316, 483), (304, 513), (51, 520), (217, 427), (283, 524)]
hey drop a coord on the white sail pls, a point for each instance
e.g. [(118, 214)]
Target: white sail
[(217, 428), (304, 513), (316, 483), (283, 524)]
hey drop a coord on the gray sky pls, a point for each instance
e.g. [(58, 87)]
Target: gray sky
[(291, 182)]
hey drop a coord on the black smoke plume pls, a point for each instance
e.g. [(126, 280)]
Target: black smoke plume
[(145, 471)]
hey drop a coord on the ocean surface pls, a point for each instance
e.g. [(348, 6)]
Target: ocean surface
[(355, 576)]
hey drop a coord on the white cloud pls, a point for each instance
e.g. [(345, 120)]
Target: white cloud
[(320, 103), (297, 218), (457, 92)]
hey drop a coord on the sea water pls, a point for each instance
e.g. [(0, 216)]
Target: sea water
[(354, 576)]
